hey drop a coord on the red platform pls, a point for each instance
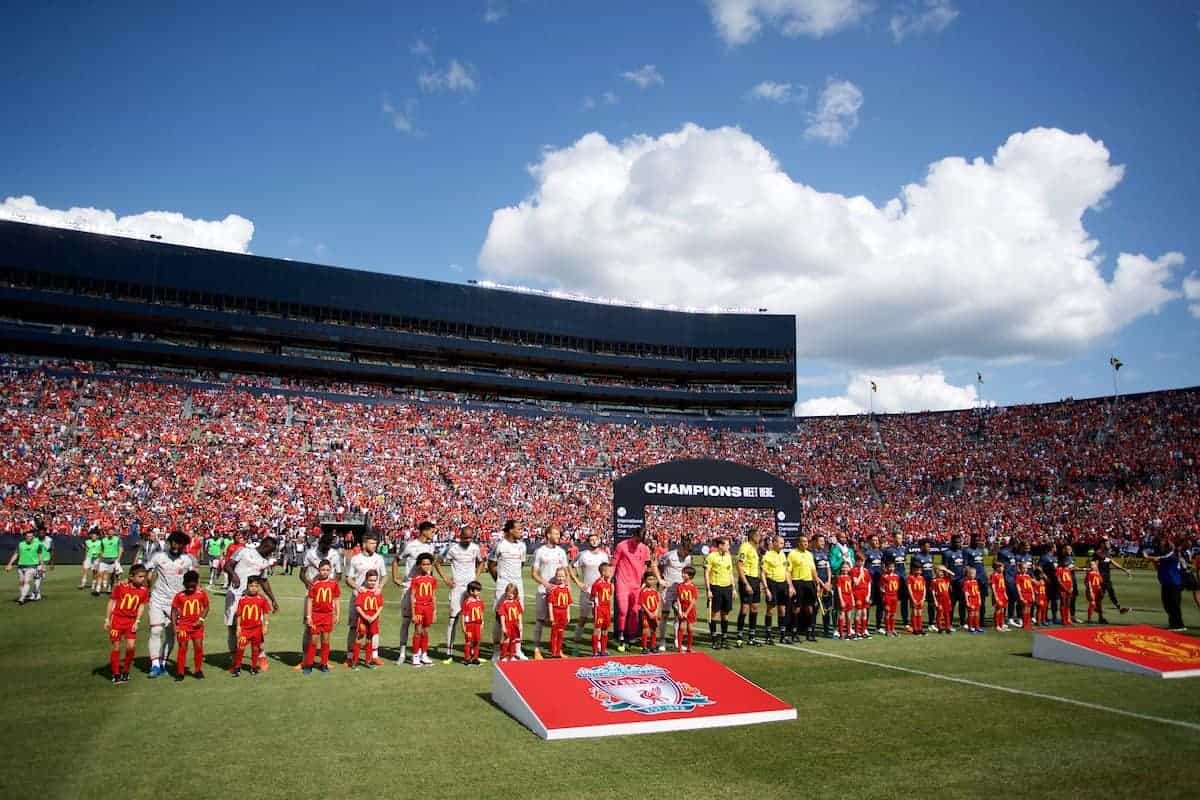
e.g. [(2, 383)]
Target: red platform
[(1142, 649), (580, 697)]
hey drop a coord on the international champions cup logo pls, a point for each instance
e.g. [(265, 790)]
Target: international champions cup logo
[(1153, 645), (643, 689)]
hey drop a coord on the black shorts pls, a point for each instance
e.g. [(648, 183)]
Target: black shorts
[(806, 593), (779, 593), (753, 594), (722, 599)]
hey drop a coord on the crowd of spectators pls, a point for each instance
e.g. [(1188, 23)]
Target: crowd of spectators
[(84, 450)]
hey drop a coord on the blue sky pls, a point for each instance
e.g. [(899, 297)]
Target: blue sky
[(278, 115)]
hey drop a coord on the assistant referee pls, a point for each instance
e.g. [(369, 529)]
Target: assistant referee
[(718, 579), (802, 588)]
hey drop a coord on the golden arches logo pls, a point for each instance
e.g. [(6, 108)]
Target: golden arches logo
[(370, 603), (130, 602), (475, 614), (324, 595), (424, 589), (251, 614), (191, 608), (1155, 646)]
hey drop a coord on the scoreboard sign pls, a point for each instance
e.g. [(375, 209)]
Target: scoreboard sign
[(586, 697)]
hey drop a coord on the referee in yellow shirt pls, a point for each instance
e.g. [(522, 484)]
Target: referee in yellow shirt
[(802, 587), (749, 586), (775, 574), (718, 580)]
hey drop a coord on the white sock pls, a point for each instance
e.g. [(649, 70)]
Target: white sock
[(155, 645), (537, 635), (450, 634), (375, 645), (404, 623), (24, 589)]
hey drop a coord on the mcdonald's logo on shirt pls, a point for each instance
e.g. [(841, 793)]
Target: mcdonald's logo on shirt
[(370, 604), (251, 614), (324, 595), (130, 602), (191, 608)]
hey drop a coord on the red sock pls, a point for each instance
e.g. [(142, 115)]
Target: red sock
[(237, 658), (114, 662), (255, 655), (197, 657), (310, 653), (604, 640), (354, 651), (370, 650), (181, 658), (595, 641), (128, 660), (325, 654)]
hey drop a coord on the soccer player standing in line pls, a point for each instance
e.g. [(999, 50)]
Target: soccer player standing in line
[(670, 568), (825, 599), (1094, 583), (922, 562), (509, 615), (251, 624), (973, 600), (586, 573), (862, 595), (547, 561), (889, 587), (872, 557), (1065, 575), (749, 586), (1048, 564), (845, 603), (322, 610), (718, 580), (1026, 594), (775, 574), (630, 560), (245, 563), (189, 609), (999, 586), (121, 619), (955, 560), (974, 555), (802, 590), (943, 600), (413, 550), (28, 558), (898, 553), (505, 563), (649, 607), (167, 569), (466, 564), (361, 563)]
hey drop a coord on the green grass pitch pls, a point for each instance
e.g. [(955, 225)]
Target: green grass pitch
[(862, 731)]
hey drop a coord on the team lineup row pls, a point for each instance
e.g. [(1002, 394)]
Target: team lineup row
[(631, 592)]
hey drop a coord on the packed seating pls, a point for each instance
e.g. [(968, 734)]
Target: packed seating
[(85, 450)]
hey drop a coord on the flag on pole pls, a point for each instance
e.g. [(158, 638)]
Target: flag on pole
[(1116, 363), (874, 388), (979, 377)]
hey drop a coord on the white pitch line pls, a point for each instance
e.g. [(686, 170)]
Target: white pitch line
[(1039, 695)]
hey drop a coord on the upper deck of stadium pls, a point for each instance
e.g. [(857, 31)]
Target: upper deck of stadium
[(71, 293)]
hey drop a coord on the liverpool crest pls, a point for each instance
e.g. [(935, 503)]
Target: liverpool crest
[(645, 689)]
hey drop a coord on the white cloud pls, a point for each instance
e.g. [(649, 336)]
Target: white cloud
[(458, 76), (1191, 290), (402, 118), (740, 21), (922, 16), (421, 48), (836, 114), (494, 11), (984, 258), (778, 92), (644, 77), (232, 233), (898, 391), (608, 99)]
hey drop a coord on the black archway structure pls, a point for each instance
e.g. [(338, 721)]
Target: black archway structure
[(704, 483)]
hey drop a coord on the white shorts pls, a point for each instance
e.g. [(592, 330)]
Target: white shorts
[(159, 616), (117, 569), (105, 567), (669, 596), (501, 586), (27, 573), (232, 599), (87, 564)]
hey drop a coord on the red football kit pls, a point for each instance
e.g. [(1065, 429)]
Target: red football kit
[(845, 596), (472, 620), (1066, 587), (323, 599), (601, 594), (889, 587), (941, 602), (916, 601), (862, 587), (559, 600), (188, 611), (999, 599), (423, 594), (1041, 600), (1027, 597), (686, 595), (251, 615), (973, 602), (510, 613), (365, 602), (1095, 592), (648, 603), (127, 601)]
